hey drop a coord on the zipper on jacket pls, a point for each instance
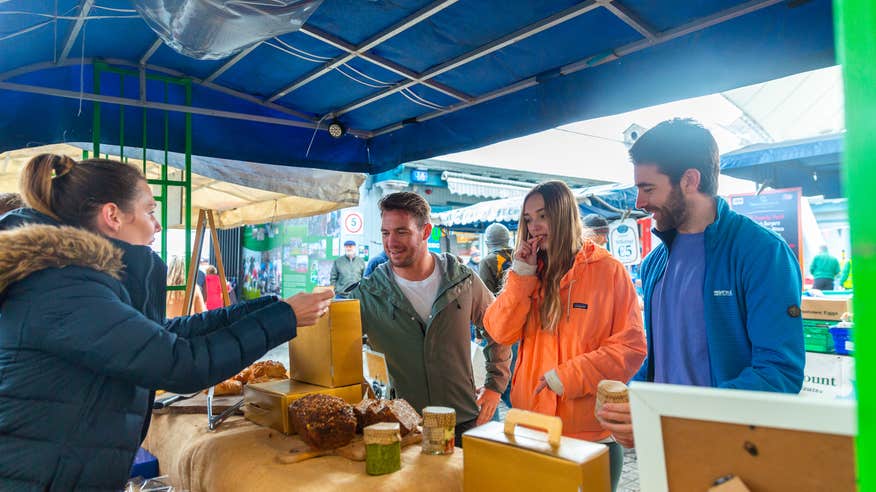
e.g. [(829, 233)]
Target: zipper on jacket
[(569, 302), (146, 281)]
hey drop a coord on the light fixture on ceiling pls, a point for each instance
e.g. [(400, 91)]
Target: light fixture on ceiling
[(336, 129)]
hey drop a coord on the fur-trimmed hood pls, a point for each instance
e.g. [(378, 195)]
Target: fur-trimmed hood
[(32, 248)]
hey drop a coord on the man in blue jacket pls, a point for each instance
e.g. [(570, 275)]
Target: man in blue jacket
[(722, 293)]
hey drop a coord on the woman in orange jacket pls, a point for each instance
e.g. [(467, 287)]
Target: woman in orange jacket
[(575, 313)]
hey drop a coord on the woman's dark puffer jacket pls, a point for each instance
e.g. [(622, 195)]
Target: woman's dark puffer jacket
[(79, 359)]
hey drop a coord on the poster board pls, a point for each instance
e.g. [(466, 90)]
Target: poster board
[(778, 211)]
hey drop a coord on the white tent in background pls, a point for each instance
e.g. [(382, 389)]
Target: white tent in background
[(240, 192)]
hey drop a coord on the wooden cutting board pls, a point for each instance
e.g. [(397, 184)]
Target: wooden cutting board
[(198, 404), (355, 451)]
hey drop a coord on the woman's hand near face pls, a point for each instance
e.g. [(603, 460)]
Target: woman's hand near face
[(527, 253)]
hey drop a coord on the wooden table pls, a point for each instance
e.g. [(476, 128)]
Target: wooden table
[(241, 456)]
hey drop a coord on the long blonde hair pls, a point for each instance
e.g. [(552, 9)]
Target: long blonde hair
[(566, 239), (176, 275)]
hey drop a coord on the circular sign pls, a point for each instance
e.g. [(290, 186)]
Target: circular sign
[(353, 223)]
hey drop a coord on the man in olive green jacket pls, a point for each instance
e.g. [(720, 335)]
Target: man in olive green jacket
[(417, 309), (347, 269)]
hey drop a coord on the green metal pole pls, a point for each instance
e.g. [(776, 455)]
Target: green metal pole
[(855, 22), (164, 181), (187, 220)]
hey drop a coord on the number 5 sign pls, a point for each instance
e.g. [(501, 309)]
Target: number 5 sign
[(623, 238), (353, 223)]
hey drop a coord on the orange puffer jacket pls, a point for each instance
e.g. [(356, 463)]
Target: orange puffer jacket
[(599, 336)]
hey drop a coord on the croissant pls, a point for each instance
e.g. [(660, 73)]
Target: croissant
[(244, 375), (267, 369), (228, 387)]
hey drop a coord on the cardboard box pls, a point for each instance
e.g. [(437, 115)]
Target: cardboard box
[(329, 353), (826, 308), (509, 458), (268, 403)]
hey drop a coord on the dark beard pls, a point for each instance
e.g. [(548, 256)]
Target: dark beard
[(674, 212)]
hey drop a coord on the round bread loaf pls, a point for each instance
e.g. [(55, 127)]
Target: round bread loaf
[(323, 421)]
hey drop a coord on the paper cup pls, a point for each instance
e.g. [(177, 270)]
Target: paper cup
[(610, 391)]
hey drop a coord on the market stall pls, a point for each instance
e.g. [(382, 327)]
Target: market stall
[(610, 201), (810, 163), (241, 456), (266, 117)]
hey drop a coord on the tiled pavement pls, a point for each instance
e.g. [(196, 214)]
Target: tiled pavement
[(629, 481)]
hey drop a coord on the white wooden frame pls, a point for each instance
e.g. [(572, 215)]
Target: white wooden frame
[(650, 401)]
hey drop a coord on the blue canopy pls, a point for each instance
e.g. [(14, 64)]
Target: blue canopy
[(812, 163), (610, 201), (409, 79)]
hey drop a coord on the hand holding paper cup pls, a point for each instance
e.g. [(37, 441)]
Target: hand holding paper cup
[(609, 391)]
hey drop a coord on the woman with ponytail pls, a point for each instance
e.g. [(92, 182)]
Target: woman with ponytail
[(575, 313), (83, 337)]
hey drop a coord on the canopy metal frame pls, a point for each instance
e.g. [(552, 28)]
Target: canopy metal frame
[(363, 51)]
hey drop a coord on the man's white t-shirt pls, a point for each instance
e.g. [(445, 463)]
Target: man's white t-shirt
[(422, 293)]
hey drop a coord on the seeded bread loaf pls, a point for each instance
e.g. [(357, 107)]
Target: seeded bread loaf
[(323, 421)]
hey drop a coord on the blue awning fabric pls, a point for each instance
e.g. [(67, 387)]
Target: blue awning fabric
[(811, 163), (408, 79), (610, 201)]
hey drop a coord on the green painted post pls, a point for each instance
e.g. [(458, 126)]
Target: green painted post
[(187, 210), (164, 180), (855, 22)]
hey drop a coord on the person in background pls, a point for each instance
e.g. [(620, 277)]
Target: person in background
[(496, 264), (474, 260), (347, 270), (722, 293), (374, 263), (176, 275), (824, 269), (573, 309), (201, 279), (492, 271), (213, 283), (596, 229), (846, 276), (417, 309), (80, 370), (9, 202)]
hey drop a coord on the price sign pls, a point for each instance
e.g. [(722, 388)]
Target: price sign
[(623, 241)]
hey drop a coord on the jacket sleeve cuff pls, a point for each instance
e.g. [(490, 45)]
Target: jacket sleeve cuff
[(553, 381), (522, 268)]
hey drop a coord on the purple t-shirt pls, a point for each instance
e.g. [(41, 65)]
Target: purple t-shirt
[(678, 324)]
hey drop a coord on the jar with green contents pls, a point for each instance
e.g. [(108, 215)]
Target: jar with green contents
[(439, 430), (382, 448)]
